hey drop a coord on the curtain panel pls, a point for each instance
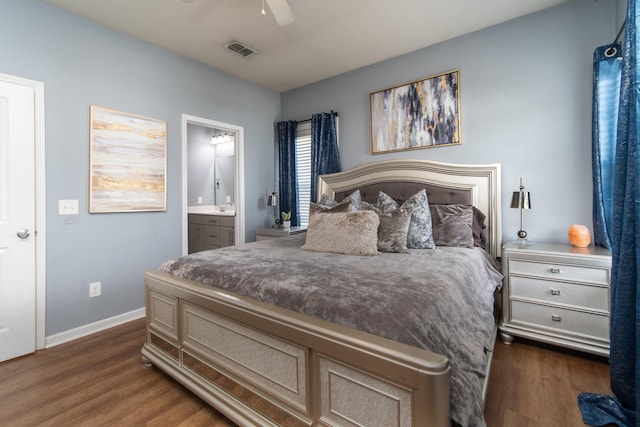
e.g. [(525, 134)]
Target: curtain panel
[(325, 157), (625, 233), (288, 182), (607, 72), (620, 409)]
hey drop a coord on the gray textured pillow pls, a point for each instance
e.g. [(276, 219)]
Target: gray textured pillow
[(393, 228), (452, 225), (330, 202), (351, 233), (477, 226), (340, 207), (420, 228)]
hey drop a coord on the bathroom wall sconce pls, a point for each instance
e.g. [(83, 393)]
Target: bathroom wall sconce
[(521, 200), (272, 201)]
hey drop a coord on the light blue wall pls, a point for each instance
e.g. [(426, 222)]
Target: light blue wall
[(525, 103), (82, 63)]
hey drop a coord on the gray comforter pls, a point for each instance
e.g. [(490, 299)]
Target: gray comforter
[(436, 299)]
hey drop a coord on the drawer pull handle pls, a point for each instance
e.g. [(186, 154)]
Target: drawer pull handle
[(556, 318), (555, 291), (555, 270)]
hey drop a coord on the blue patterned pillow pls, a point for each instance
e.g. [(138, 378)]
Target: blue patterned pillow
[(420, 235)]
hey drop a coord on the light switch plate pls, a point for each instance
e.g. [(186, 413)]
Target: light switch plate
[(68, 207)]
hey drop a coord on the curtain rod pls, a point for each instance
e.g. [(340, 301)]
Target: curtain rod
[(308, 120), (612, 50)]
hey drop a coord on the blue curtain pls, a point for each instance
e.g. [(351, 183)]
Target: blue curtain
[(607, 71), (620, 409), (288, 187), (325, 157)]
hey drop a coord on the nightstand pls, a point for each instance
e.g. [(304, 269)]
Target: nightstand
[(272, 233), (557, 294)]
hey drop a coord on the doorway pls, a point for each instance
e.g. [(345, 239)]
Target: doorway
[(219, 193), (22, 217)]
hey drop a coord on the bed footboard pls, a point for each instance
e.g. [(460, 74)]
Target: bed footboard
[(261, 365)]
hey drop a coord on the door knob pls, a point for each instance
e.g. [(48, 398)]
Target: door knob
[(23, 233)]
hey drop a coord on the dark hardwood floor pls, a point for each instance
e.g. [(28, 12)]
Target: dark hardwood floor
[(100, 380)]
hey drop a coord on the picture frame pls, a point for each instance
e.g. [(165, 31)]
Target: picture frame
[(127, 162), (420, 114)]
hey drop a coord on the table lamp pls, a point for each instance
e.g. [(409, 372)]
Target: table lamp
[(521, 200)]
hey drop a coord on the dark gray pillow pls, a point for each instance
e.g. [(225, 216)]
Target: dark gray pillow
[(330, 202), (477, 226), (393, 228), (452, 225), (420, 228)]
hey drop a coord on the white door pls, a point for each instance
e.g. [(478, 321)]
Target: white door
[(17, 221)]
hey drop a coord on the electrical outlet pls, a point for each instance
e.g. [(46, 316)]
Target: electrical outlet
[(199, 200), (95, 289)]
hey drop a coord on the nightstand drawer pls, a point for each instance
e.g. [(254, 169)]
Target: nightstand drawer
[(591, 297), (560, 271), (566, 320)]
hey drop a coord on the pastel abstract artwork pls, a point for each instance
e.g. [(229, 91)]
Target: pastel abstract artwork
[(420, 114), (128, 162)]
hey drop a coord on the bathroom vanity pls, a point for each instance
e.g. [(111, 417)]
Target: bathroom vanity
[(210, 228)]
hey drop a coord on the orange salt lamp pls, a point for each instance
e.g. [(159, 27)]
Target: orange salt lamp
[(579, 235)]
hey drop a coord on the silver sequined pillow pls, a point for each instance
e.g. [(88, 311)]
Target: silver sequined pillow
[(420, 228), (393, 229)]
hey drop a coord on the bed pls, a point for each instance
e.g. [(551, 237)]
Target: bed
[(292, 355)]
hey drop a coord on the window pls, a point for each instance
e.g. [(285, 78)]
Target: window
[(303, 169)]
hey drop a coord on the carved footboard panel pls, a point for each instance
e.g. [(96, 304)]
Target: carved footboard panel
[(261, 365)]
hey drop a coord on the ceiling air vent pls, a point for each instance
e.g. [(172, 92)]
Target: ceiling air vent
[(241, 49)]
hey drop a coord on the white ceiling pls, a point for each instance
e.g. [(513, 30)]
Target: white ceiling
[(327, 38)]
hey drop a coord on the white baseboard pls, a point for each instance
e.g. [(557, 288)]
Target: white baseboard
[(92, 328)]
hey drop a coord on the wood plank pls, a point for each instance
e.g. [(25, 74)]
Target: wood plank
[(100, 380)]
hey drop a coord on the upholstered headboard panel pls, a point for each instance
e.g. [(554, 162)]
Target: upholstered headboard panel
[(401, 191)]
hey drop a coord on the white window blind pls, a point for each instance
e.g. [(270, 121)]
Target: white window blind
[(303, 169)]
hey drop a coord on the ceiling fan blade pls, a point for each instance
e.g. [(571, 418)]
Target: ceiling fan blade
[(281, 12)]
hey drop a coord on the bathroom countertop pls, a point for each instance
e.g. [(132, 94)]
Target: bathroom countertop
[(211, 210)]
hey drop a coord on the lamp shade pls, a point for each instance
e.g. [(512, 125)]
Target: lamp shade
[(521, 200), (272, 200)]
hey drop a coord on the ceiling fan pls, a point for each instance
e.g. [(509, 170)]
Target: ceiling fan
[(279, 9)]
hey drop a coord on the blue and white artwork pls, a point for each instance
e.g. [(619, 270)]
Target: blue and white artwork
[(421, 114)]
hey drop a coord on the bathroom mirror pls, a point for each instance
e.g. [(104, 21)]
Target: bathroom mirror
[(211, 166), (224, 171)]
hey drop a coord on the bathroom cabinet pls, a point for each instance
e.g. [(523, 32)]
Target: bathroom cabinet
[(210, 232)]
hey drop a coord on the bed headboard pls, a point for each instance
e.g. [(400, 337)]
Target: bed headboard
[(446, 183)]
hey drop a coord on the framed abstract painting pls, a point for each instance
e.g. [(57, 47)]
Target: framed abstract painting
[(421, 114), (127, 162)]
